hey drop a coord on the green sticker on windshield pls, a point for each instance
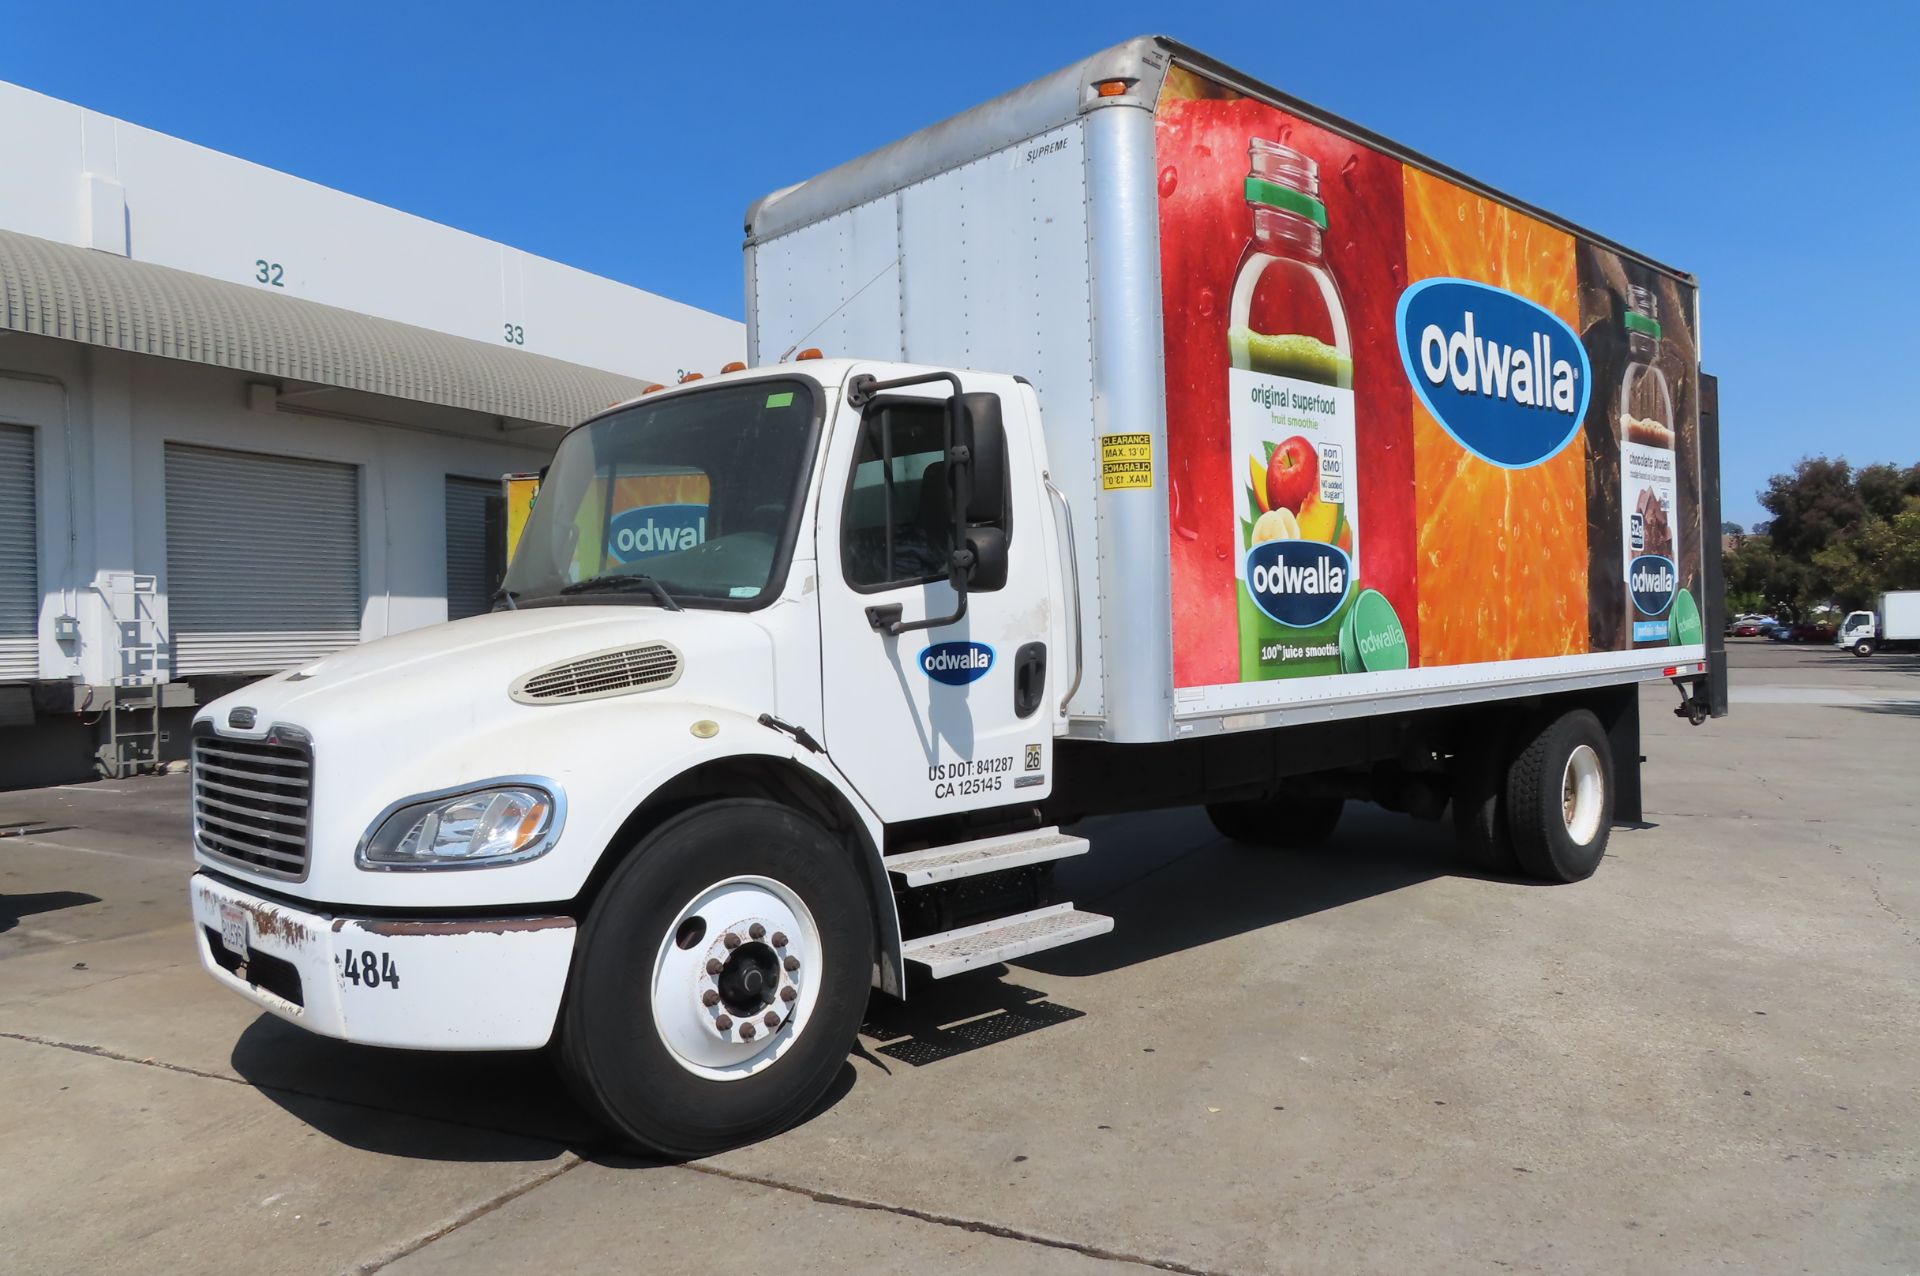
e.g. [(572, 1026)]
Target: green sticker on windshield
[(784, 399)]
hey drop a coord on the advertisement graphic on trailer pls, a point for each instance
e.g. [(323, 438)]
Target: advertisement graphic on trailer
[(1408, 427)]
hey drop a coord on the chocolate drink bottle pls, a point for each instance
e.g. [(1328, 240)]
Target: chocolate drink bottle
[(1648, 483)]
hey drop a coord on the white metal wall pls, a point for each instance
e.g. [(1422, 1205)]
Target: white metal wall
[(19, 557), (940, 273), (263, 559)]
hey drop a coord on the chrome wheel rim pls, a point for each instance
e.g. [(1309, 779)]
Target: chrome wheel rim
[(1581, 790), (736, 978)]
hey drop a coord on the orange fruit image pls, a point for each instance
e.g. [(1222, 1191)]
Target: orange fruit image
[(1501, 555)]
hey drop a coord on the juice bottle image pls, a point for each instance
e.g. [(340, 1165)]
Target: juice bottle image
[(1647, 479), (1290, 378)]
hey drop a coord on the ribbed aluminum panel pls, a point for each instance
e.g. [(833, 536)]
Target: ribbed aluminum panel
[(470, 582), (251, 801), (19, 557), (77, 294), (263, 559)]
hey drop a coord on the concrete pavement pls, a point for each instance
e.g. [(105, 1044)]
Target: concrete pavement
[(1353, 1061)]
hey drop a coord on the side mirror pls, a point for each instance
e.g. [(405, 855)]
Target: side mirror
[(989, 568), (981, 431)]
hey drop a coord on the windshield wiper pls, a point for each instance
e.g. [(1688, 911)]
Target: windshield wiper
[(635, 580), (512, 597)]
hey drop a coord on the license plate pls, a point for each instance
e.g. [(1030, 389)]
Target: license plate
[(233, 929)]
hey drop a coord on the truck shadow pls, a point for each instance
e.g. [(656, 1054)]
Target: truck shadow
[(1170, 882), (503, 1106)]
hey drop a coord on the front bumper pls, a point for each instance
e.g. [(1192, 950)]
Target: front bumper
[(474, 984)]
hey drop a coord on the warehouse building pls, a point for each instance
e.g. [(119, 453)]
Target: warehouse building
[(246, 420)]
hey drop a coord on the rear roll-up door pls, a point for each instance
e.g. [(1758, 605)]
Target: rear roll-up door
[(263, 560), (19, 558)]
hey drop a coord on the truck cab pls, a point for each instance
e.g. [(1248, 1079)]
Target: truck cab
[(1857, 633), (755, 622)]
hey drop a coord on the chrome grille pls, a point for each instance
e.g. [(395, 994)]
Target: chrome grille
[(604, 673), (251, 800)]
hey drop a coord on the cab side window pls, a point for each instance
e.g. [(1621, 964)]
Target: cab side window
[(897, 526)]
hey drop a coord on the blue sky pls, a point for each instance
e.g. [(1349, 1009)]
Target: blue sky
[(1768, 148)]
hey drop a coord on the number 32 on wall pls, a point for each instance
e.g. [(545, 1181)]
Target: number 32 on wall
[(271, 273)]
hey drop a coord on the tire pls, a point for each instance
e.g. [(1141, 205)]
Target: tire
[(1480, 802), (658, 1066), (1292, 823), (1559, 796), (1863, 648)]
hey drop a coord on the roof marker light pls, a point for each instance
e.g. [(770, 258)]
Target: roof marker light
[(735, 366), (811, 352)]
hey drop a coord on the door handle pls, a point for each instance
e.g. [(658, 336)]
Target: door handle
[(1029, 678)]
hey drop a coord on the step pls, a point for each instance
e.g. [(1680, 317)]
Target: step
[(988, 855), (1003, 939)]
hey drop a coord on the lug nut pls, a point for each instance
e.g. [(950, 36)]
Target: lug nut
[(731, 940), (788, 993), (746, 1032), (715, 965), (791, 963), (710, 998), (724, 1023), (772, 1020), (756, 931), (779, 939)]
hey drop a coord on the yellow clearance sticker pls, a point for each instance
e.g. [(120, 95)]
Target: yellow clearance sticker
[(1126, 460)]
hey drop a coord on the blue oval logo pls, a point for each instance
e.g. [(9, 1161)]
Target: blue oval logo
[(956, 663), (1506, 377), (655, 529), (1298, 583), (1652, 580)]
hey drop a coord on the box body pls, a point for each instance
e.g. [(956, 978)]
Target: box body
[(1344, 431)]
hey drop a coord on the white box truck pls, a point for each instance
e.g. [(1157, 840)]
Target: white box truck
[(1181, 445), (1894, 624)]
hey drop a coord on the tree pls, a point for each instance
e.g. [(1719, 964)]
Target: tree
[(1761, 578), (1813, 507), (1885, 489), (1731, 528)]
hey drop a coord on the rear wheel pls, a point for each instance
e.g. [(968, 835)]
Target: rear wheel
[(1295, 823), (1559, 796), (719, 979)]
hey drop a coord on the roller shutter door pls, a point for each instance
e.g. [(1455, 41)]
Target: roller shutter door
[(476, 514), (263, 560), (19, 558)]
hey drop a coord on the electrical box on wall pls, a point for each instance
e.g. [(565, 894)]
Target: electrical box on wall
[(66, 629)]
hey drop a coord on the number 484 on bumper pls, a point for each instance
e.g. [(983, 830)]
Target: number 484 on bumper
[(368, 969)]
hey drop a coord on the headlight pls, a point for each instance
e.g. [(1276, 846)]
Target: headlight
[(481, 827)]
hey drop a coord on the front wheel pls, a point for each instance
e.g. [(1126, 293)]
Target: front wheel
[(1560, 796), (1863, 648), (720, 979)]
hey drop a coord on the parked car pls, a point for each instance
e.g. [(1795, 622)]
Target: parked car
[(1753, 627)]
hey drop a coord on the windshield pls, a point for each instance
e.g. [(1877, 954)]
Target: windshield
[(686, 500)]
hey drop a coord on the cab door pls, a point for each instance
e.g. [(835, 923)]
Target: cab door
[(959, 715)]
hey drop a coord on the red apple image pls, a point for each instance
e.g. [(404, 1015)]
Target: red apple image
[(1292, 473)]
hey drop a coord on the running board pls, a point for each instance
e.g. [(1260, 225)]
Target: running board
[(1003, 939), (988, 855)]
